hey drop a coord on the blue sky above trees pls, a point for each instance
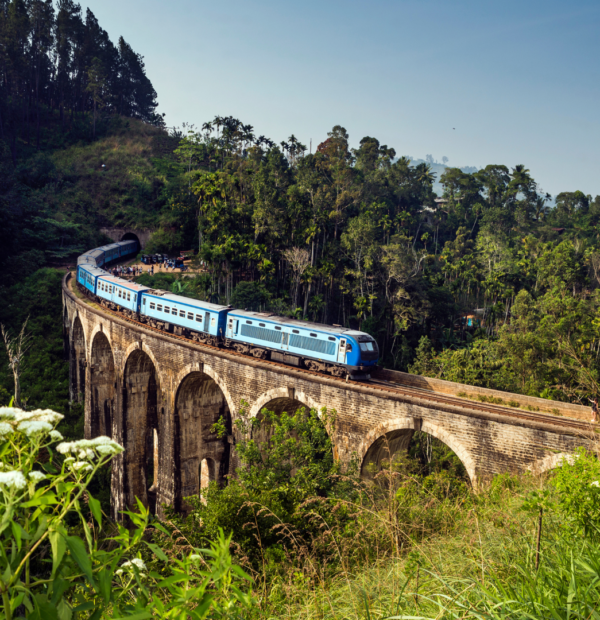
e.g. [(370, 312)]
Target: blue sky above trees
[(478, 82)]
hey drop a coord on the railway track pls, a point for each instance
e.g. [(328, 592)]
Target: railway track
[(411, 393)]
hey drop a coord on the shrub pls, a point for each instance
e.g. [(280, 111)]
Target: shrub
[(55, 560)]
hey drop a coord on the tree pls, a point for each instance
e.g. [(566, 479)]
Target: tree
[(16, 348)]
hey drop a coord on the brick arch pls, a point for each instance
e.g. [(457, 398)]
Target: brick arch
[(207, 370), (456, 446), (140, 396), (72, 328), (552, 461), (99, 329), (282, 393), (398, 425), (199, 404), (135, 346), (77, 359), (100, 414)]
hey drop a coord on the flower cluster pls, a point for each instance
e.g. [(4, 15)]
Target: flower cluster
[(13, 479), (30, 423), (135, 564), (88, 449)]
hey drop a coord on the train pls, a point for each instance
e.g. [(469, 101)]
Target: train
[(328, 349)]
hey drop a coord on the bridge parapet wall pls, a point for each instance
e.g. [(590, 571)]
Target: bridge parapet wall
[(462, 390)]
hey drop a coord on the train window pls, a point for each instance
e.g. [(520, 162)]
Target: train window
[(249, 322), (119, 292), (134, 298), (174, 311), (262, 325), (348, 347), (182, 313), (366, 346), (199, 318), (152, 306), (314, 335), (144, 301), (277, 328), (190, 316), (295, 331), (159, 307), (332, 338), (167, 310), (128, 296)]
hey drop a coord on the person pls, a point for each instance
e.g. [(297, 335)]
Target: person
[(594, 402)]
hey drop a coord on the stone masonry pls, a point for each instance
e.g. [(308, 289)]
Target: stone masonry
[(159, 396)]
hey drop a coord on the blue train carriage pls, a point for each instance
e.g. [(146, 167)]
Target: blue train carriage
[(92, 257), (122, 295), (322, 348), (199, 320), (87, 277), (128, 248), (111, 252)]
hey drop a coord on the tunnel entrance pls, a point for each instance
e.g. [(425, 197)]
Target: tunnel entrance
[(102, 379), (77, 362), (129, 236), (202, 454), (141, 435)]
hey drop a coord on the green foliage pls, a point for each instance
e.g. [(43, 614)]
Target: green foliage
[(58, 560), (577, 483), (250, 296)]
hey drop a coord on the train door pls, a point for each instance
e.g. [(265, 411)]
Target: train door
[(232, 325), (207, 322), (342, 351), (285, 341)]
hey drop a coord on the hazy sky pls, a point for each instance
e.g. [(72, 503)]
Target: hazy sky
[(481, 82)]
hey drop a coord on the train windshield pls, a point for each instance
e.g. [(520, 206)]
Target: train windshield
[(367, 346)]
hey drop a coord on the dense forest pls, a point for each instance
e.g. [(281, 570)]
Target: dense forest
[(486, 284)]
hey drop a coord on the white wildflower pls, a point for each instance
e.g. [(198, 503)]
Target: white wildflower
[(139, 564), (5, 429), (8, 413), (13, 479), (37, 476), (87, 454), (70, 459), (194, 557), (81, 466), (33, 427), (112, 449), (595, 484), (118, 572), (82, 446), (39, 415), (56, 436)]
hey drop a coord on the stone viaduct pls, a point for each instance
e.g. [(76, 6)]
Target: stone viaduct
[(159, 395)]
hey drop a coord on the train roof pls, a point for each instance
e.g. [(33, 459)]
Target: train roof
[(188, 301), (110, 246), (93, 270), (132, 286), (274, 318)]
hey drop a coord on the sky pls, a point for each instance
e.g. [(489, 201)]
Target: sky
[(479, 82)]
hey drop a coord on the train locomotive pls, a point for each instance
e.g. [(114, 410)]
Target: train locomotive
[(329, 349)]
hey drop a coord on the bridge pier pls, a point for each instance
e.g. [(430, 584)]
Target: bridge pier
[(161, 396)]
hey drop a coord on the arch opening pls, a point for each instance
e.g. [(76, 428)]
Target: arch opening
[(415, 452), (202, 454), (103, 387), (129, 236), (141, 435), (263, 432), (77, 362)]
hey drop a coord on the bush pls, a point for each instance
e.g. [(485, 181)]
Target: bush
[(56, 560)]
